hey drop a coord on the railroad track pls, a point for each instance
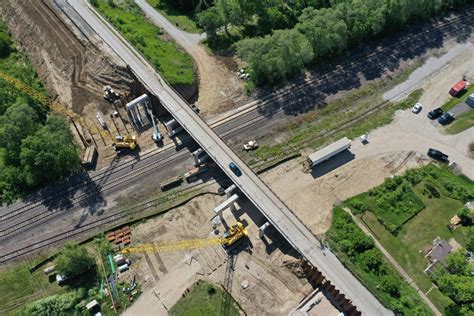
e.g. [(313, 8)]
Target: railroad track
[(101, 223), (257, 117), (46, 214), (359, 60), (230, 131)]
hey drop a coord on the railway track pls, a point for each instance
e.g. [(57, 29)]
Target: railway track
[(257, 118), (44, 214), (326, 76), (101, 223)]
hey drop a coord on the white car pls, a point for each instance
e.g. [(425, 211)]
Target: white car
[(416, 108)]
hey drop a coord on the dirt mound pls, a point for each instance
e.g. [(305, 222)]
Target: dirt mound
[(72, 70)]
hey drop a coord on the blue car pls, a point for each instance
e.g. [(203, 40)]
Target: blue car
[(235, 169)]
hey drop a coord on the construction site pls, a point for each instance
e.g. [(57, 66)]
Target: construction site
[(171, 196)]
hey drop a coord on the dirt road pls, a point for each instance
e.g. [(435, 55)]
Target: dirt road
[(219, 88)]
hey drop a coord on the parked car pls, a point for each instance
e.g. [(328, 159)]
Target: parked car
[(432, 115), (235, 169), (416, 108), (437, 155), (445, 119)]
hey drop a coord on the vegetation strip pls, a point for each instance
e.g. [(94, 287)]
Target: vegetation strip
[(173, 63)]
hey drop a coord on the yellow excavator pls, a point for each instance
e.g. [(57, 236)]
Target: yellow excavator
[(229, 238), (119, 142)]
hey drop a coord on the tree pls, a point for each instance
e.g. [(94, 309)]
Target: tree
[(275, 57), (456, 263), (466, 216), (326, 31), (390, 284), (74, 260), (49, 154), (371, 260)]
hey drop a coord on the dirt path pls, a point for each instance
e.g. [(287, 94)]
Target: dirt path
[(219, 88), (394, 263)]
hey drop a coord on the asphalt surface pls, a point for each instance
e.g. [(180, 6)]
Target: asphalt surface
[(253, 188)]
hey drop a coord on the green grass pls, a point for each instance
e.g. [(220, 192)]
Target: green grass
[(407, 302), (393, 203), (18, 287), (461, 123), (456, 100), (183, 20), (173, 63), (204, 299), (314, 129), (408, 245)]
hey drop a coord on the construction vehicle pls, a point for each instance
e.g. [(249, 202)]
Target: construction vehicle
[(229, 238), (110, 95), (128, 142), (251, 145)]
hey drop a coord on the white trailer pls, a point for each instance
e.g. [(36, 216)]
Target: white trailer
[(328, 152)]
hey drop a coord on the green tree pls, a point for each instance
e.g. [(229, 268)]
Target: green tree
[(456, 263), (49, 154), (74, 260), (371, 260), (326, 31), (275, 57), (390, 284)]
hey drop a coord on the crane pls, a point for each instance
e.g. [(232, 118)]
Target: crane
[(122, 142), (229, 238)]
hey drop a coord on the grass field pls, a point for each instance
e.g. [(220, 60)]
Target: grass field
[(183, 20), (431, 222), (19, 287), (173, 63), (204, 299), (343, 234), (393, 203)]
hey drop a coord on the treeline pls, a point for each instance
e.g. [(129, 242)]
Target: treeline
[(311, 29), (35, 149)]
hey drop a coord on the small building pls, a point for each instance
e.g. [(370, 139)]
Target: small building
[(440, 250)]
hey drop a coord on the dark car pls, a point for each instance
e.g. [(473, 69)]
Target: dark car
[(235, 169), (432, 115), (445, 119), (437, 155)]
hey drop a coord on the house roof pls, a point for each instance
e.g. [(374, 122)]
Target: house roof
[(441, 250)]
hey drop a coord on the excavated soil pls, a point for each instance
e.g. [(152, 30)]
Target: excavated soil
[(72, 68)]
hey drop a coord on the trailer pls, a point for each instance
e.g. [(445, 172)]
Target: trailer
[(328, 152)]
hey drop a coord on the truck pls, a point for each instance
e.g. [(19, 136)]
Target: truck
[(458, 87), (327, 152)]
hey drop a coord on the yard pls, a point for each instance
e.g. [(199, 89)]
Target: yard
[(205, 299), (418, 232)]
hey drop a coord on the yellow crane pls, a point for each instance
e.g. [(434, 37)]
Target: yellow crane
[(126, 142), (229, 238)]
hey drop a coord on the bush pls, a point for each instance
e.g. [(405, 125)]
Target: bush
[(390, 284), (74, 260)]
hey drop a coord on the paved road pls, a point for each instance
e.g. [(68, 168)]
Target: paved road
[(394, 263), (183, 38), (255, 190)]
